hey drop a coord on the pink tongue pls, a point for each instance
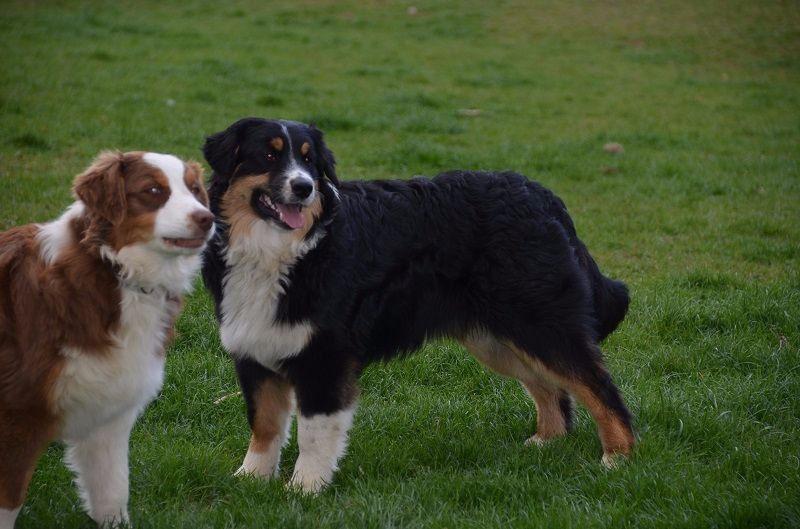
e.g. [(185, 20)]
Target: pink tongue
[(291, 215)]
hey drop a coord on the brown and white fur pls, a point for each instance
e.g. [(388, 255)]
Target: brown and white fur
[(87, 303)]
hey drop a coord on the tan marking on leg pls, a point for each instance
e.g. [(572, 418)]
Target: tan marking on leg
[(550, 422), (235, 205), (273, 403), (494, 355), (615, 436), (500, 358)]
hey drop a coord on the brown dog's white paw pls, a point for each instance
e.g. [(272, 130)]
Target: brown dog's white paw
[(536, 440), (612, 460)]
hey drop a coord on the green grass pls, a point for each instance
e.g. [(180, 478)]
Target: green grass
[(699, 215)]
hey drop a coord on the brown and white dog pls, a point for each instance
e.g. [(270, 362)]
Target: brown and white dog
[(87, 303)]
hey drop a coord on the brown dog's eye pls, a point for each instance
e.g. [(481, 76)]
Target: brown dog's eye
[(155, 190)]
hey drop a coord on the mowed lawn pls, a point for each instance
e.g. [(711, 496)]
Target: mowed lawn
[(700, 215)]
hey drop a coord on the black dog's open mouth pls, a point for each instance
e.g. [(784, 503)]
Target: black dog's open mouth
[(289, 216)]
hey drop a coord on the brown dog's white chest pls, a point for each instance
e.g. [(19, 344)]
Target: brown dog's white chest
[(93, 388)]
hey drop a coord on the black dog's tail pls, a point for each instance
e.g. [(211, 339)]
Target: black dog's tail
[(611, 297), (611, 302)]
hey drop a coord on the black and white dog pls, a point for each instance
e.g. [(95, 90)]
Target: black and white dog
[(313, 279)]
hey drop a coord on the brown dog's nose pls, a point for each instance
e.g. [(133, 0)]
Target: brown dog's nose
[(203, 219)]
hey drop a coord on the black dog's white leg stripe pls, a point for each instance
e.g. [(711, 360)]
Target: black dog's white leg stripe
[(322, 440)]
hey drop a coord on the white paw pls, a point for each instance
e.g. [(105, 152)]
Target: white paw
[(536, 440), (7, 517), (260, 464), (310, 479), (255, 472), (322, 440), (109, 518), (612, 460), (243, 471), (306, 486)]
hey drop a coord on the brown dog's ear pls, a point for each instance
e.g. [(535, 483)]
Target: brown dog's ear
[(194, 172), (102, 187)]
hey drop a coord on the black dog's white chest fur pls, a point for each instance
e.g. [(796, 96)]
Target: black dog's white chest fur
[(256, 279)]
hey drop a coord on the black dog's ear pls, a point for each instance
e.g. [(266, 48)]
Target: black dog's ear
[(220, 151), (326, 164)]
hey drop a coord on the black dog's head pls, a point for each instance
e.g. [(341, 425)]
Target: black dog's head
[(274, 171)]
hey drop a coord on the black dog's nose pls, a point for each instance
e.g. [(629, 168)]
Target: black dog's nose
[(301, 188)]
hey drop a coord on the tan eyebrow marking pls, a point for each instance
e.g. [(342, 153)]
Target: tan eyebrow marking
[(277, 143), (305, 148)]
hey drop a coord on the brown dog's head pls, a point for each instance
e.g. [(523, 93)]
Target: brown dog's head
[(148, 200)]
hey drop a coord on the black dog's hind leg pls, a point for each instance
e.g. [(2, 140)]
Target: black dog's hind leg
[(579, 369), (554, 408)]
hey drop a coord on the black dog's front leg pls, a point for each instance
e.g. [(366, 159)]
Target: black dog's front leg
[(270, 403), (326, 386)]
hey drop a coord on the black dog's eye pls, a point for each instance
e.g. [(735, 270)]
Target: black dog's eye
[(271, 157), (307, 158)]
